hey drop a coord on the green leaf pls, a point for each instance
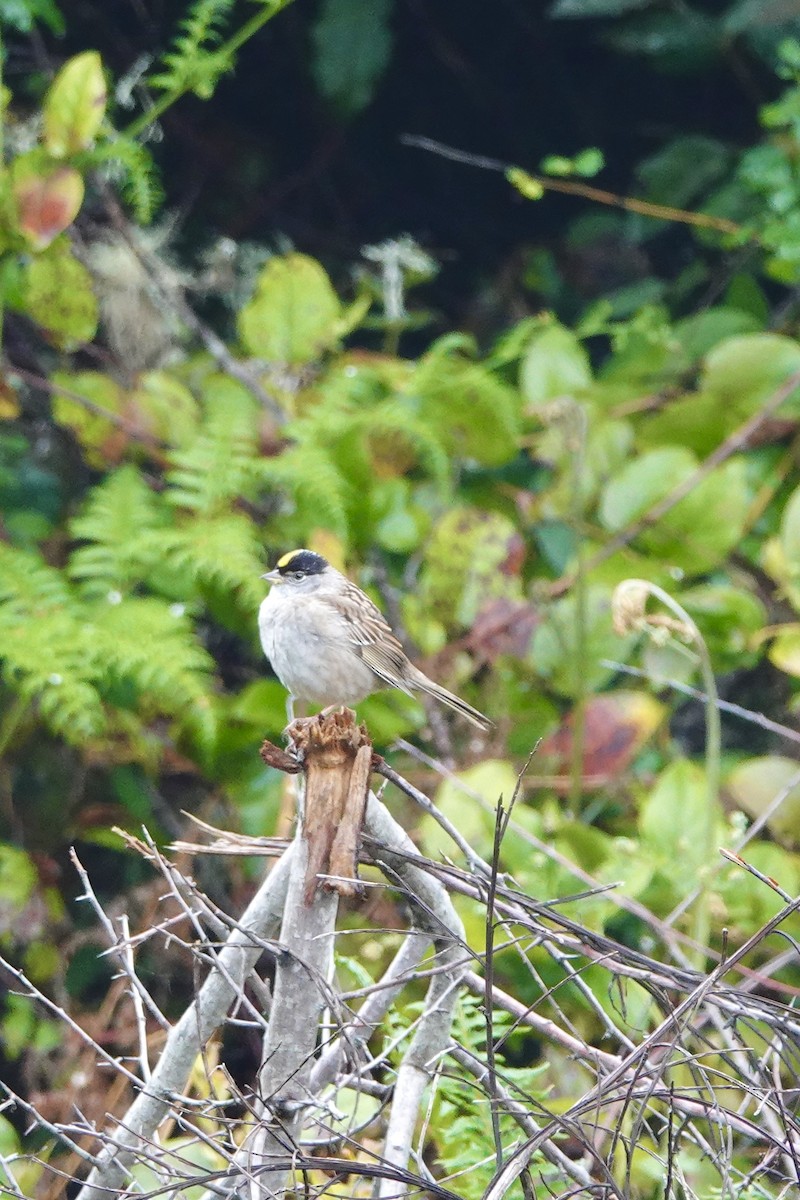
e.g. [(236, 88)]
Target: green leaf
[(138, 177), (461, 570), (790, 532), (743, 371), (757, 784), (700, 530), (682, 41), (168, 407), (642, 482), (594, 8), (586, 163), (492, 780), (21, 15), (9, 1142), (28, 585), (401, 524), (683, 170), (573, 664), (477, 413), (87, 661), (697, 335), (88, 420), (557, 164), (221, 551), (257, 703), (17, 878), (555, 364), (784, 651), (526, 184), (672, 818), (727, 617), (215, 468), (59, 296), (114, 524), (294, 313), (56, 670), (698, 421), (352, 43), (194, 62), (152, 645), (75, 105), (318, 488)]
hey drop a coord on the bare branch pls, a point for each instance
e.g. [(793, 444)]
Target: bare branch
[(216, 996)]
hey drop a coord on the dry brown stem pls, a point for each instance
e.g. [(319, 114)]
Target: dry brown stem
[(336, 755)]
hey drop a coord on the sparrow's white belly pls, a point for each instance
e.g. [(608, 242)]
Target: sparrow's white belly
[(314, 662)]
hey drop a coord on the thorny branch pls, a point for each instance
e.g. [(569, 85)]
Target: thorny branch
[(711, 1072)]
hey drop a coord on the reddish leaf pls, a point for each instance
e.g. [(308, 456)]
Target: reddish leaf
[(615, 727), (47, 204), (515, 558), (502, 627)]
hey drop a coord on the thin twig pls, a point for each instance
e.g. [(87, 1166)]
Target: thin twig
[(570, 187)]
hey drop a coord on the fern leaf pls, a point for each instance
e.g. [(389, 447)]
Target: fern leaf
[(214, 470), (394, 422), (477, 415), (192, 64), (131, 164), (29, 586), (51, 661), (315, 484), (46, 654), (218, 551), (465, 1135), (152, 645), (116, 523), (73, 660)]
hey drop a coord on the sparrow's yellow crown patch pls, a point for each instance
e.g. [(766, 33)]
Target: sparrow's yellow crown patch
[(301, 562)]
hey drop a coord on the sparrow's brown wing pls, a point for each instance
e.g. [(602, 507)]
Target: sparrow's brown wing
[(371, 635)]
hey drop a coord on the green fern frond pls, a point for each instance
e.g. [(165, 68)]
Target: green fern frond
[(28, 586), (116, 524), (151, 646), (75, 661), (131, 165), (465, 1136), (477, 415), (192, 63), (315, 484), (358, 419), (51, 661), (46, 653), (394, 421), (331, 422), (216, 469), (218, 551)]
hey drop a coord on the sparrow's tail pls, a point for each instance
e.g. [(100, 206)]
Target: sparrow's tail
[(423, 684)]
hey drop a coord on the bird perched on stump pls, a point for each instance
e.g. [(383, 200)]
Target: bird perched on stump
[(330, 645)]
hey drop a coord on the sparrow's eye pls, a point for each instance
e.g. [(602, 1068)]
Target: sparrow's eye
[(298, 574)]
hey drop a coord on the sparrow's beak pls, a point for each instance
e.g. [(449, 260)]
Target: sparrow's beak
[(273, 576)]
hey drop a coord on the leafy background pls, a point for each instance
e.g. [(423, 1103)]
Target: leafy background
[(489, 392)]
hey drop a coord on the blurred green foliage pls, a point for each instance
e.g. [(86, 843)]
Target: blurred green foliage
[(492, 496)]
